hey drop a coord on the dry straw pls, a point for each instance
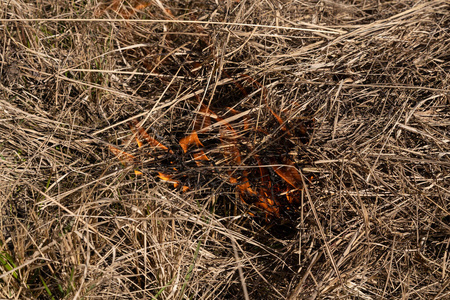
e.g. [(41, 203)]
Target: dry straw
[(77, 222)]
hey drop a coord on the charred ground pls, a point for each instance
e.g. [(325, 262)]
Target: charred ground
[(367, 80)]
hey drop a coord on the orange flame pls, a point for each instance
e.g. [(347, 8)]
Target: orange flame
[(200, 156), (125, 12), (124, 157), (280, 121), (290, 196), (152, 142), (191, 139), (136, 137), (265, 196), (289, 174), (168, 178)]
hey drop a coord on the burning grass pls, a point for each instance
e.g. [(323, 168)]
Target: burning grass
[(231, 149)]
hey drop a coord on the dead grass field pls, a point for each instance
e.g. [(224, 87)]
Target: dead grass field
[(78, 222)]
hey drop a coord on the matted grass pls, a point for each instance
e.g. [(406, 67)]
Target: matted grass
[(76, 223)]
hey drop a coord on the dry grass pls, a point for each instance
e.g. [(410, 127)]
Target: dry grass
[(76, 224)]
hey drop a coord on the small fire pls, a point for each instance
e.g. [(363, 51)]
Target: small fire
[(189, 141), (289, 173), (269, 195), (124, 157), (151, 141), (176, 183)]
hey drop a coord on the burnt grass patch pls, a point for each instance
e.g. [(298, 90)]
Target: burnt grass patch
[(325, 124)]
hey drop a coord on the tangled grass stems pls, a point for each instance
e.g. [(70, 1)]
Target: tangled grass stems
[(76, 224)]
